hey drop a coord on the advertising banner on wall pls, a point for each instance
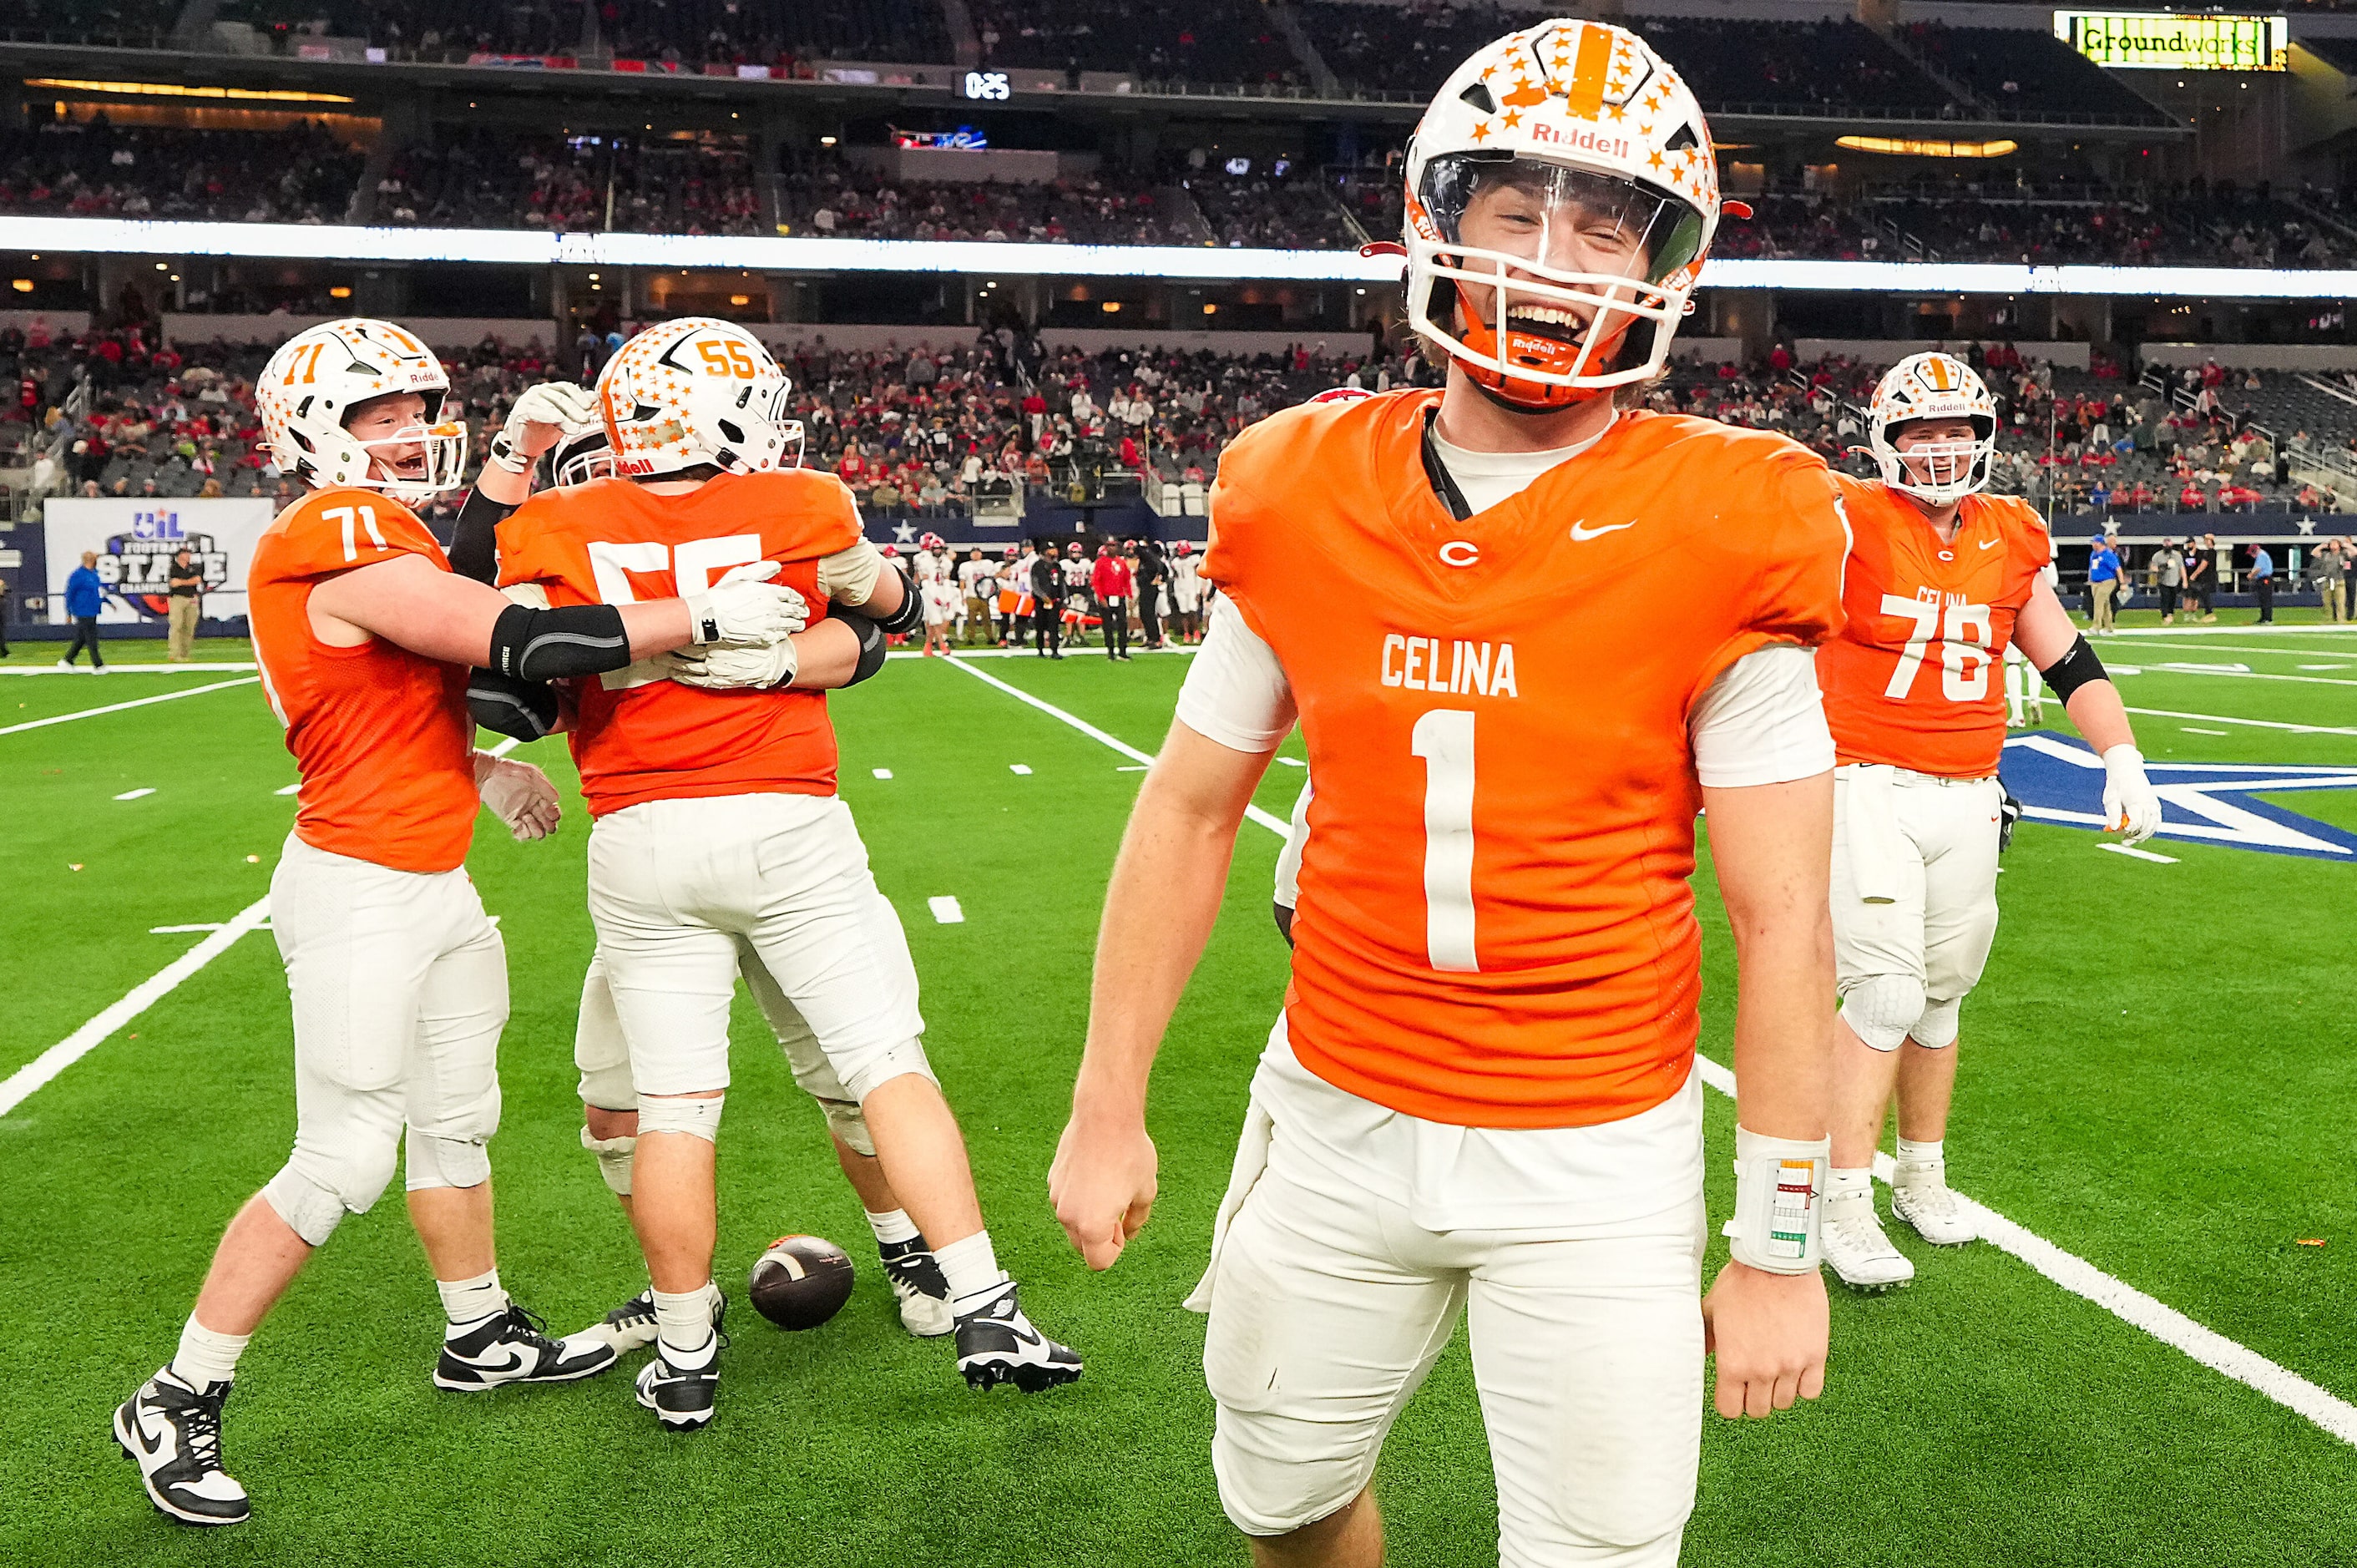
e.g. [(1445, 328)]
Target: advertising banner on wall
[(134, 539)]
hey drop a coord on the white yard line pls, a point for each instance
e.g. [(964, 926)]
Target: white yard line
[(2135, 853), (1274, 824), (120, 707), (204, 667), (946, 909), (2255, 723), (142, 996), (2322, 628), (2074, 1273), (2172, 668)]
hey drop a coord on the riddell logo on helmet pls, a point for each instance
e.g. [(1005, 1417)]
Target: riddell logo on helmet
[(1585, 141)]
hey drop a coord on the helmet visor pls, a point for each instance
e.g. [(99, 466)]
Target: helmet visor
[(418, 461), (1560, 219)]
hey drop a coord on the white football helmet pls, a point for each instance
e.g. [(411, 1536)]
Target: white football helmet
[(1591, 166), (695, 391), (311, 385), (1932, 386), (585, 453)]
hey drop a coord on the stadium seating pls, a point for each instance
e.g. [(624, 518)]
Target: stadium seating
[(1230, 41), (1295, 209), (827, 196), (126, 24), (93, 168), (1405, 51), (1785, 67), (492, 179), (2014, 70)]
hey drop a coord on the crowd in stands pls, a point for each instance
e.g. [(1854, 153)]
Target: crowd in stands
[(485, 178), (1233, 41), (1819, 65), (1272, 203), (1406, 49), (832, 197), (126, 24), (935, 430), (93, 168), (691, 33)]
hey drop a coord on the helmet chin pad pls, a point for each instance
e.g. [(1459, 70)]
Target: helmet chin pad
[(1542, 352)]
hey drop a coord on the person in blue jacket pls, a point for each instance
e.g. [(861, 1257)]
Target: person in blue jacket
[(84, 595), (2103, 582)]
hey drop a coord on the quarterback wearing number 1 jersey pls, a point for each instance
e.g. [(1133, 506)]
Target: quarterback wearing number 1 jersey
[(1943, 580), (1527, 636)]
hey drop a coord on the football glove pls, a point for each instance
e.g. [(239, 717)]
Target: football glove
[(518, 794), (726, 668), (2008, 817), (2131, 807), (745, 607), (538, 422)]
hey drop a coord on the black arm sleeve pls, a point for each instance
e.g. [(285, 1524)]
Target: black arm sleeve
[(2073, 670), (473, 542), (527, 710), (912, 613), (870, 632), (548, 645)]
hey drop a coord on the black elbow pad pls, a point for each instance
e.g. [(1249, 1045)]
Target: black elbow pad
[(549, 645), (527, 710), (473, 542), (2073, 670), (910, 615), (870, 632), (1284, 920)]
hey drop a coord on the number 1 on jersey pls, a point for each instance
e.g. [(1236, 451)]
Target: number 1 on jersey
[(1443, 738)]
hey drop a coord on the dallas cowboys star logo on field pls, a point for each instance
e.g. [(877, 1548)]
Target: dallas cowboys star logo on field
[(2058, 779)]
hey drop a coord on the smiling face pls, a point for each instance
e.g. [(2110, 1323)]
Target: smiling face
[(1936, 451), (1535, 214), (392, 428)]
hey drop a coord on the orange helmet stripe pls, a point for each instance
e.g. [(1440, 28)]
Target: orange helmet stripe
[(1936, 371), (1585, 97)]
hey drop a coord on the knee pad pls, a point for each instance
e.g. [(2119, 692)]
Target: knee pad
[(874, 1069), (446, 1161), (313, 1192), (1881, 1008), (613, 1159), (1937, 1026), (848, 1122), (698, 1117)]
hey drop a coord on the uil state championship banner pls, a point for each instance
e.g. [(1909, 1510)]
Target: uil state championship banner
[(136, 539)]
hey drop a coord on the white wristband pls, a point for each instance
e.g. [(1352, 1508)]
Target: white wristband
[(1777, 1185)]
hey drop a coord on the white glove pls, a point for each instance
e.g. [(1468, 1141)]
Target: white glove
[(518, 794), (539, 420), (745, 607), (724, 667), (2131, 807)]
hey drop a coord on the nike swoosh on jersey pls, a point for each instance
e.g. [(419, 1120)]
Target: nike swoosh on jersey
[(1582, 532), (1991, 544)]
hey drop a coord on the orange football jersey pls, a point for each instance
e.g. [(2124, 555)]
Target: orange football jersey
[(1916, 678), (1495, 926), (381, 735), (612, 542)]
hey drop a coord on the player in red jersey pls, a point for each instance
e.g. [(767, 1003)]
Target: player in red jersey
[(1526, 635), (712, 787), (1943, 580), (363, 638)]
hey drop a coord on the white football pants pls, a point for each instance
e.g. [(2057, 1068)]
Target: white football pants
[(1928, 846), (673, 884)]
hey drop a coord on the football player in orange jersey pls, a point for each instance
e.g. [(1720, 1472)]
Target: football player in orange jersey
[(610, 1097), (363, 638), (712, 783), (1542, 633), (1944, 581)]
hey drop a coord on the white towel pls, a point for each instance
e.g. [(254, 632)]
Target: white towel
[(1870, 825)]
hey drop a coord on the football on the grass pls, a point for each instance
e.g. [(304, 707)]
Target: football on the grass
[(801, 1281)]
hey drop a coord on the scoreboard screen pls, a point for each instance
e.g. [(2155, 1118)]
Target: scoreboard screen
[(2145, 40), (984, 86)]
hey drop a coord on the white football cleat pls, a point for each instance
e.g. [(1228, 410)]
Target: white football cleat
[(1921, 1196), (1861, 1255)]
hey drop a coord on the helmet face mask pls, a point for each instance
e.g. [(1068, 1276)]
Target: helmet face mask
[(1561, 196), (1942, 465), (360, 403), (584, 455)]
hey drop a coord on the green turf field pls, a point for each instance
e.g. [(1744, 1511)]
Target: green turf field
[(2160, 1076)]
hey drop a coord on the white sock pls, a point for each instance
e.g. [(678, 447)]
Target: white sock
[(469, 1302), (1846, 1186), (969, 1267), (1924, 1153), (205, 1357), (889, 1228), (684, 1326)]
